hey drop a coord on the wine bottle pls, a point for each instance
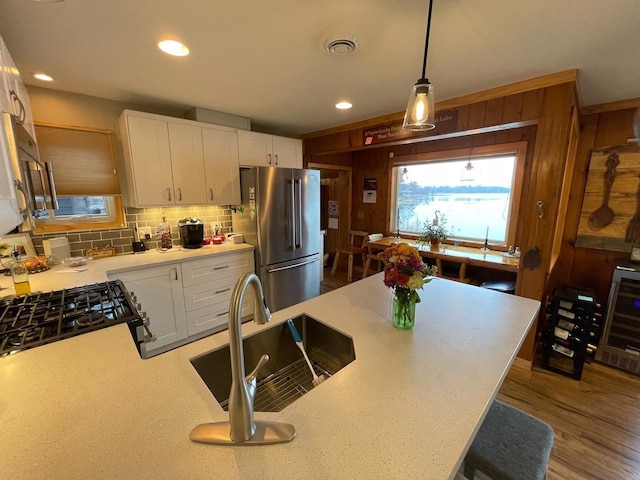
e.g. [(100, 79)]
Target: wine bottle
[(565, 335), (20, 274), (563, 350)]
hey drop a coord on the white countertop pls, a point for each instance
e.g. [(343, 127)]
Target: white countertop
[(61, 276), (407, 407)]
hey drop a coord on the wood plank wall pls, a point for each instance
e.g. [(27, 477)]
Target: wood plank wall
[(538, 112), (587, 267)]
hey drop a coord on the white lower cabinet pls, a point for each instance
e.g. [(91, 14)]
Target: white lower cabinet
[(188, 300), (208, 285), (159, 291)]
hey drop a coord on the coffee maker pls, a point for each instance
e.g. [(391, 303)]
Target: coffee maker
[(191, 232)]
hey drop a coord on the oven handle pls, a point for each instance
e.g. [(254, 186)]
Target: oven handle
[(150, 336)]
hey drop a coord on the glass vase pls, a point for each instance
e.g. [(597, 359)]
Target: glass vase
[(403, 311)]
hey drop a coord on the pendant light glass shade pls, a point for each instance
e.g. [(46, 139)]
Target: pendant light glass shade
[(420, 108), (405, 175), (468, 175)]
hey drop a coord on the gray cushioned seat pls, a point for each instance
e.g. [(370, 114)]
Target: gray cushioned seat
[(510, 445), (505, 286)]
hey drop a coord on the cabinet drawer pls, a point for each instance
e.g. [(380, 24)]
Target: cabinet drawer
[(197, 272), (215, 315), (205, 294)]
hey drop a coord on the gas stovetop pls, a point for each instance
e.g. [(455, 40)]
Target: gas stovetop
[(41, 318)]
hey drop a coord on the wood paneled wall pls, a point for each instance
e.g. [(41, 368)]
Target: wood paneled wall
[(539, 112), (586, 267)]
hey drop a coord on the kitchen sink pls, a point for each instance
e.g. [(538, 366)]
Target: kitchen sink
[(286, 376)]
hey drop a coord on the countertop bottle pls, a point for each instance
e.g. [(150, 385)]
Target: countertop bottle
[(164, 230), (20, 275)]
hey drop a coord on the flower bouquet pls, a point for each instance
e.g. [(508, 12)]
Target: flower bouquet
[(404, 272)]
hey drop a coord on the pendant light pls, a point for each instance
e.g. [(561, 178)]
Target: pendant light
[(405, 175), (420, 114), (467, 173)]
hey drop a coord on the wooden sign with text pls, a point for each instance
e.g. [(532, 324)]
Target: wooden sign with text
[(446, 122)]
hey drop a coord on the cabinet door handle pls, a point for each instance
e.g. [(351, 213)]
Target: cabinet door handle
[(276, 159), (223, 314), (269, 159), (169, 193), (179, 194), (175, 273), (211, 194), (223, 290), (221, 268)]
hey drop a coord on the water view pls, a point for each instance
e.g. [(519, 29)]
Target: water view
[(467, 215)]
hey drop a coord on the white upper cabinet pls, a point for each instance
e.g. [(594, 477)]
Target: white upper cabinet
[(187, 163), (263, 150), (221, 166), (171, 161), (287, 152), (148, 161)]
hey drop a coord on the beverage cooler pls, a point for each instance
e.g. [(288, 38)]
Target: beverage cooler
[(620, 345)]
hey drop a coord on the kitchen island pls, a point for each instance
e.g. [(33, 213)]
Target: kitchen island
[(407, 407)]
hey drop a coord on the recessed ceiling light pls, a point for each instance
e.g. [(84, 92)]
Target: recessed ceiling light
[(343, 105), (173, 47), (43, 76)]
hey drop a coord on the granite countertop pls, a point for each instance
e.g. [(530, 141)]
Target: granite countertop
[(62, 276), (407, 407)]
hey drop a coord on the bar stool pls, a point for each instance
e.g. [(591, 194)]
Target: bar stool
[(510, 445), (357, 240)]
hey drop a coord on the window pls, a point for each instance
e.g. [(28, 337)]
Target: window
[(84, 169), (81, 208), (474, 192)]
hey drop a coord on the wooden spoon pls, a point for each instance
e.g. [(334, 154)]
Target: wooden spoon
[(603, 216)]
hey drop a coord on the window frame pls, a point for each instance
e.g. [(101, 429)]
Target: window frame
[(102, 146), (519, 149)]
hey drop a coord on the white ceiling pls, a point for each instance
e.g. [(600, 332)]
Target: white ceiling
[(265, 59)]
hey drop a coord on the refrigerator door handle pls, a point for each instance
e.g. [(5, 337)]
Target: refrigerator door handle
[(273, 270), (294, 227), (298, 239)]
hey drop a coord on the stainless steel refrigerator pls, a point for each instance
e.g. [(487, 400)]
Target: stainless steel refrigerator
[(280, 216)]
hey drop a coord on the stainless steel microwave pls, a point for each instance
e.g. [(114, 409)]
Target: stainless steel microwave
[(33, 178)]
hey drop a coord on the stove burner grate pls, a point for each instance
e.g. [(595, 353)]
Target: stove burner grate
[(42, 318)]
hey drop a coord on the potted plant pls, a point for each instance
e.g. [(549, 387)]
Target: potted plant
[(434, 231)]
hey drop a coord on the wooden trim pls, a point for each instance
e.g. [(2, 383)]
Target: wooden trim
[(537, 83), (610, 107), (444, 136), (490, 94)]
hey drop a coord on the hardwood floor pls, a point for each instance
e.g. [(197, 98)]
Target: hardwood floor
[(596, 420)]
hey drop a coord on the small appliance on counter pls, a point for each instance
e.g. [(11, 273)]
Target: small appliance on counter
[(191, 232), (57, 248)]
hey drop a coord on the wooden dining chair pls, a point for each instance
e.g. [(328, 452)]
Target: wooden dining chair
[(357, 240)]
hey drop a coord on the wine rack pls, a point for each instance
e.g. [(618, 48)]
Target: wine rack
[(571, 334)]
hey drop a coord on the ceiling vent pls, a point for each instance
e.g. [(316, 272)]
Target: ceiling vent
[(341, 45)]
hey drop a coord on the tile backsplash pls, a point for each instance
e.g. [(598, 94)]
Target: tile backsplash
[(121, 238)]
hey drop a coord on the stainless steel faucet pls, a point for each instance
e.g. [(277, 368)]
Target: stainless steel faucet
[(242, 429)]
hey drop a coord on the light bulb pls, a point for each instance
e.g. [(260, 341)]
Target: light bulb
[(420, 108)]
